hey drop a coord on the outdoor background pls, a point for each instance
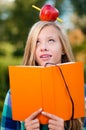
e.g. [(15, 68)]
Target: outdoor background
[(16, 18)]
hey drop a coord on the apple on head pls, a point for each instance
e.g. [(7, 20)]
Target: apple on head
[(48, 13)]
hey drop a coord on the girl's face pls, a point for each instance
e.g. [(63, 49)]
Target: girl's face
[(48, 46)]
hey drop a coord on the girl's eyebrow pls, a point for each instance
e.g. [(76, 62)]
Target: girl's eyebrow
[(50, 36)]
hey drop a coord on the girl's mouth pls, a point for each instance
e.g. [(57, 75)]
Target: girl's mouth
[(45, 56)]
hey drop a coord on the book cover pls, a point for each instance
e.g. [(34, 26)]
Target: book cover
[(56, 89)]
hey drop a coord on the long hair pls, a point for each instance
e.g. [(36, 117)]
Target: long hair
[(29, 58)]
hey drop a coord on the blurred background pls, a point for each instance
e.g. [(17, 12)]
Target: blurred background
[(16, 18)]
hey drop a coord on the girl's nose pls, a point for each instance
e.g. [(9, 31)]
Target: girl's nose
[(44, 47)]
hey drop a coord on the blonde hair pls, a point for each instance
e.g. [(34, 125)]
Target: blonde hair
[(29, 59), (32, 39)]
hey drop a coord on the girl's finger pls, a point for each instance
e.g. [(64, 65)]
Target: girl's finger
[(31, 117), (51, 116)]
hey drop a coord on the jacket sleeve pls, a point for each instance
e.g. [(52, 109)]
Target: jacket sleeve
[(7, 123)]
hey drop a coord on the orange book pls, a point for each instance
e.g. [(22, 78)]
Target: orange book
[(56, 89)]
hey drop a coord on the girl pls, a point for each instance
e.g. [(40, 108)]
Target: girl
[(46, 43)]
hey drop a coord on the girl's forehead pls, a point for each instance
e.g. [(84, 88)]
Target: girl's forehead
[(49, 27), (48, 30)]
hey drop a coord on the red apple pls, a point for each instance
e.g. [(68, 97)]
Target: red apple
[(48, 13)]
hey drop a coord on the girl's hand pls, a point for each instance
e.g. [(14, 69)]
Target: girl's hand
[(55, 123), (32, 123)]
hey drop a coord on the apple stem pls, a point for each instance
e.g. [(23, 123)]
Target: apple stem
[(36, 7), (60, 20)]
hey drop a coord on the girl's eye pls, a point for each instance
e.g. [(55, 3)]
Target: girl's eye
[(38, 42), (51, 40)]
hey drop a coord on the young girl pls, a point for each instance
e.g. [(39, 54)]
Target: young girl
[(46, 43)]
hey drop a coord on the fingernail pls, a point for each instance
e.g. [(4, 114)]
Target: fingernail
[(43, 112), (40, 109)]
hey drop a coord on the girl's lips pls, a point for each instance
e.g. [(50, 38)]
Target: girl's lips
[(45, 56)]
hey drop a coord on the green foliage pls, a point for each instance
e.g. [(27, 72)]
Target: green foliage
[(17, 25), (80, 48), (79, 7), (2, 52), (5, 61), (18, 52), (80, 14)]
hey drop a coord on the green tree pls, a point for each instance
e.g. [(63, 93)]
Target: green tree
[(79, 20), (80, 14), (79, 7)]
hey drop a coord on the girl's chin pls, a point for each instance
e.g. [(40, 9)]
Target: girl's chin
[(46, 63), (43, 64)]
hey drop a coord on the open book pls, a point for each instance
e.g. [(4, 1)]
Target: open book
[(56, 89)]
